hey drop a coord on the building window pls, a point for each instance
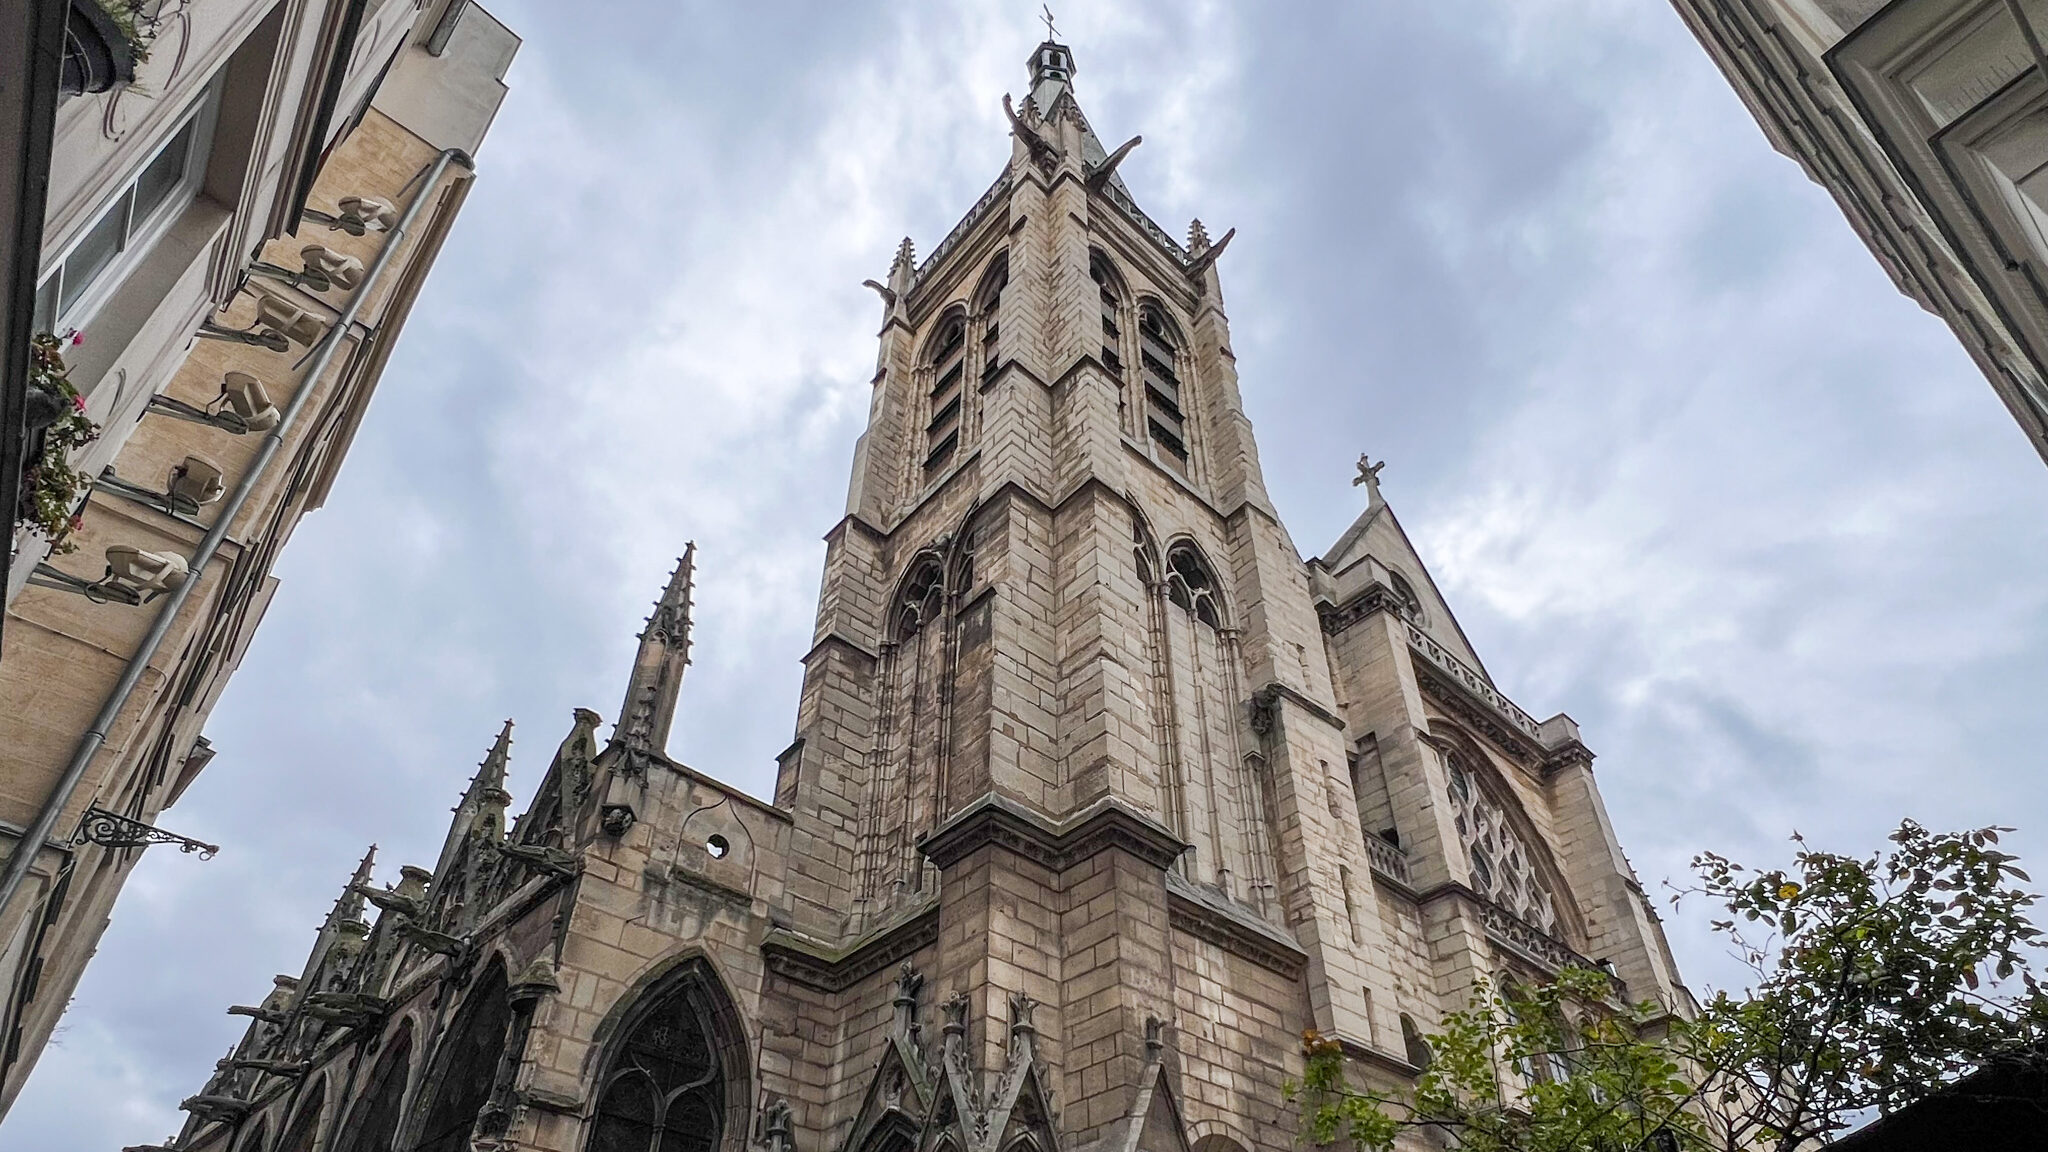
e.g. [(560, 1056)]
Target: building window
[(989, 305), (1190, 584), (1111, 300), (1503, 868), (949, 365), (1164, 420), (80, 280), (665, 1091)]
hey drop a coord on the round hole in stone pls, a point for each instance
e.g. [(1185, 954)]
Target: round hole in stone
[(718, 846)]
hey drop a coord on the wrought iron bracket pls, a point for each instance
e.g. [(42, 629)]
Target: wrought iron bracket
[(113, 830)]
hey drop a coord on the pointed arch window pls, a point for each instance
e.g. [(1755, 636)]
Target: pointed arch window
[(665, 1088), (1503, 868), (1110, 300), (923, 597), (949, 367), (299, 1137), (470, 1064), (1165, 422), (374, 1122), (1190, 584), (988, 305)]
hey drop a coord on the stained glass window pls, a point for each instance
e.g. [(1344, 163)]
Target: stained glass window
[(665, 1091)]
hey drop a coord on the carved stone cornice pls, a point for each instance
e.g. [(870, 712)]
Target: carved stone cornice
[(1003, 822), (1235, 930), (815, 964), (1468, 709), (1377, 598)]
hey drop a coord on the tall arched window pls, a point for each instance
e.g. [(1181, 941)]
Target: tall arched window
[(988, 304), (470, 1064), (949, 369), (373, 1122), (1110, 295), (1503, 869), (254, 1141), (664, 1088), (306, 1126), (1164, 420)]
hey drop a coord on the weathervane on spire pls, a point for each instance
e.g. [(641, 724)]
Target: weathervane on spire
[(1051, 33)]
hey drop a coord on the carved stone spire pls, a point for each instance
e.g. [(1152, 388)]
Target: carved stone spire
[(348, 909), (650, 704)]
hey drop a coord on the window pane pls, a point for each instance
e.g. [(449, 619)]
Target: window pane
[(46, 304), (163, 174), (104, 242)]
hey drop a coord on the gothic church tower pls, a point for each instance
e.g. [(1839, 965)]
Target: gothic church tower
[(1100, 794)]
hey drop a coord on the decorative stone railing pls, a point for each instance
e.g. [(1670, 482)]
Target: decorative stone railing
[(966, 223), (1537, 946), (1145, 223), (1387, 860), (1472, 682)]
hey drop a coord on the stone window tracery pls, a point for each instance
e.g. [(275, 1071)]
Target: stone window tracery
[(1502, 867), (1190, 585), (665, 1091), (923, 597)]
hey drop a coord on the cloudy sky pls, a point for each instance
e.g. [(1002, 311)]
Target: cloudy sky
[(1686, 464)]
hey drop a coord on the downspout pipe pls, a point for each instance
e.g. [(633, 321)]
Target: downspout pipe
[(25, 849)]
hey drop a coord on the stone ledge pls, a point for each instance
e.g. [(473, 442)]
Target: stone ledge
[(999, 820), (828, 968), (1234, 929)]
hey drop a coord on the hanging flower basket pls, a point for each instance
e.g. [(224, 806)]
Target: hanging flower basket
[(57, 425), (104, 40)]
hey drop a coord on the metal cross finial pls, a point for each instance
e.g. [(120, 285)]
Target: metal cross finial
[(1051, 33)]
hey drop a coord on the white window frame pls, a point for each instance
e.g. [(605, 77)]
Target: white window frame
[(140, 236)]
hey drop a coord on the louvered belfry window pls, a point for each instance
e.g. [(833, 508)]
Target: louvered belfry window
[(949, 368), (1165, 422)]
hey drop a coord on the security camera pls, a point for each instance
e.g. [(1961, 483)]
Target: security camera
[(242, 396), (325, 269), (196, 482)]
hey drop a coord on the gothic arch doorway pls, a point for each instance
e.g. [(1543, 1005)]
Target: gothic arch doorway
[(468, 1064), (674, 1078), (373, 1122)]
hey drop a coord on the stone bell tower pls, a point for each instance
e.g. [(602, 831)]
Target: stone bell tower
[(1100, 794)]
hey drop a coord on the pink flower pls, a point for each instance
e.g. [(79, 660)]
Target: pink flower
[(77, 523), (78, 402), (77, 338)]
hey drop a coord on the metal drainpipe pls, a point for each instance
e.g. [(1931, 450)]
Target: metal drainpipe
[(31, 842)]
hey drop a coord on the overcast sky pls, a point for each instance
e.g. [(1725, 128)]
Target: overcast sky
[(1685, 463)]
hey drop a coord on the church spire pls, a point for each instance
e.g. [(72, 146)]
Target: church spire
[(650, 704)]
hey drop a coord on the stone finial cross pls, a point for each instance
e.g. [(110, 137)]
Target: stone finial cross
[(1369, 475), (1051, 33)]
